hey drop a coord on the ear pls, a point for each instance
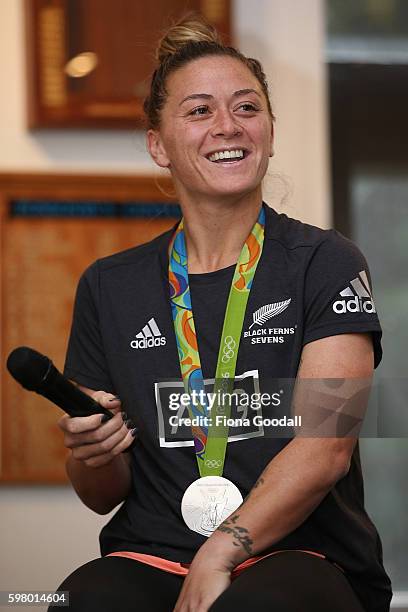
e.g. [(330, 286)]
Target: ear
[(156, 148), (272, 150)]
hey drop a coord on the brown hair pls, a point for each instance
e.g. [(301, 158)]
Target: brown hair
[(189, 39)]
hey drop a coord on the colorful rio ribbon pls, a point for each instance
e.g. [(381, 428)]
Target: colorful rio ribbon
[(210, 442)]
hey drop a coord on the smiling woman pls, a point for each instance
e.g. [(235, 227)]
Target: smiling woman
[(190, 311), (214, 134)]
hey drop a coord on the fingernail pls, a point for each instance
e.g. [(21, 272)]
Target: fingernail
[(134, 432), (105, 418), (129, 424), (124, 415), (114, 399)]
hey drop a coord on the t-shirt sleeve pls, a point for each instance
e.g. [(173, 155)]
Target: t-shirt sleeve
[(85, 360), (338, 293)]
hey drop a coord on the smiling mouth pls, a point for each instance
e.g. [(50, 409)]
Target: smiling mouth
[(229, 161)]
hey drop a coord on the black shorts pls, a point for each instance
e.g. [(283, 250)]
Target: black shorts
[(291, 581)]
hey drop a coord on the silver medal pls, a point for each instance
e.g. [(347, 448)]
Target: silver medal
[(207, 502)]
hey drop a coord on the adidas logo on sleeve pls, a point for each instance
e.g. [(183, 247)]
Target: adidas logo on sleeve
[(149, 337), (358, 296)]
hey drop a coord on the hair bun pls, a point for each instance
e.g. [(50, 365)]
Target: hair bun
[(190, 28)]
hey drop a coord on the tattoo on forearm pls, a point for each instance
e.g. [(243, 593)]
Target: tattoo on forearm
[(259, 482), (240, 534)]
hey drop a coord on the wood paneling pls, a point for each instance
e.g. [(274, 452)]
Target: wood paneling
[(122, 36), (42, 257)]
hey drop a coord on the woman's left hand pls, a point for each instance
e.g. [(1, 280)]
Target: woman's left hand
[(205, 581)]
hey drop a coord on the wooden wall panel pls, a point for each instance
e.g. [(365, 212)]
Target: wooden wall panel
[(110, 44), (42, 258)]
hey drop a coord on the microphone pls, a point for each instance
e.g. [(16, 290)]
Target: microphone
[(36, 372)]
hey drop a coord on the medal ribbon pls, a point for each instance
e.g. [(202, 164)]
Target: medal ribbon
[(210, 442)]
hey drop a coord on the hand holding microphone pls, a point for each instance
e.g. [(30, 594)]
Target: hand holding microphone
[(96, 440), (94, 427)]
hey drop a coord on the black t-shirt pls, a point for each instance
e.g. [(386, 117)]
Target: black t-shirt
[(123, 341)]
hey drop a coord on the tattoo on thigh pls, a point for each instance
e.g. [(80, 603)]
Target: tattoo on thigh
[(240, 534)]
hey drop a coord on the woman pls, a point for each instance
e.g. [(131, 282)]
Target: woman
[(295, 299)]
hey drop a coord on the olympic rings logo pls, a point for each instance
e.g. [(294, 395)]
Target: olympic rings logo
[(213, 463), (228, 349)]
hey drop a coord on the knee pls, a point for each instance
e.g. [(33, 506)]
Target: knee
[(88, 588)]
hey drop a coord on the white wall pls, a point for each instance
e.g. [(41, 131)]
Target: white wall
[(286, 36), (52, 150), (45, 532)]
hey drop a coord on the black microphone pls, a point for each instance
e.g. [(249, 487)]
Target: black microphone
[(36, 372)]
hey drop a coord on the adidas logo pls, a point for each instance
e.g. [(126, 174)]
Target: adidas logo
[(359, 296), (149, 337)]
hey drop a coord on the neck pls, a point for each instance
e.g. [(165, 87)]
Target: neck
[(215, 232)]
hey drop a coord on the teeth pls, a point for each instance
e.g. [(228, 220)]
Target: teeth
[(238, 153)]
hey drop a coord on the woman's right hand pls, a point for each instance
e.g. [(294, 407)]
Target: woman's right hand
[(95, 443)]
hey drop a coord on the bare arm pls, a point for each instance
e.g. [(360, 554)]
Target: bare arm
[(101, 489), (300, 476), (97, 467)]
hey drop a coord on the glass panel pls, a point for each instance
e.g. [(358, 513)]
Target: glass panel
[(379, 216), (387, 18), (379, 221), (372, 31)]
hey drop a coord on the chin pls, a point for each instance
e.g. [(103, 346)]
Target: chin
[(235, 188)]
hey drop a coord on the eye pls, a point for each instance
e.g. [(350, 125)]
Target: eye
[(200, 110), (248, 107)]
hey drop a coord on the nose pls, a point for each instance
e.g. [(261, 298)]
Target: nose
[(225, 124)]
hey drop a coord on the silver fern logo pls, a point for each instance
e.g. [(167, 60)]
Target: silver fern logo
[(268, 311)]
